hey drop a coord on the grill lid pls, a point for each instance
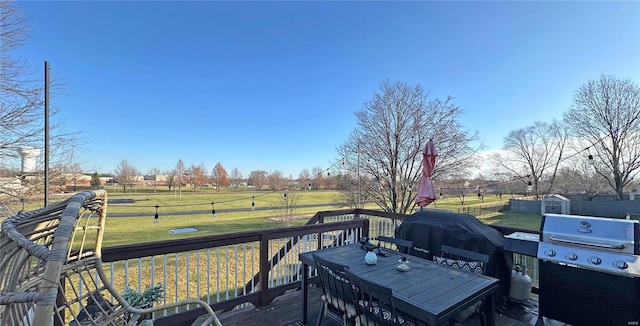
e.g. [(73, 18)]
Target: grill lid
[(601, 233), (606, 244)]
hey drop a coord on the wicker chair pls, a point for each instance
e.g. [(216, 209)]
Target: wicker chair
[(49, 276)]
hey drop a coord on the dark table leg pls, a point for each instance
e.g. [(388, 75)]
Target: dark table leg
[(305, 289), (489, 307)]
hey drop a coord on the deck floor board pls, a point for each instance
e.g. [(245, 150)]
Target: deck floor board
[(286, 310)]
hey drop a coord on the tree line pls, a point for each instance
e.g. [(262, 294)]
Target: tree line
[(197, 177)]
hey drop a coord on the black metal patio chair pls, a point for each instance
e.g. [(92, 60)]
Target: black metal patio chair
[(469, 261), (401, 245), (337, 292), (375, 305)]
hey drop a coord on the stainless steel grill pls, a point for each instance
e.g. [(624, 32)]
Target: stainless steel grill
[(602, 244), (589, 270)]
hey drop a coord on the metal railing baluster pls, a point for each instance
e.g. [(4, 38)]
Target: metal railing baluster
[(140, 275), (198, 274), (217, 274), (186, 271), (164, 278), (126, 273), (176, 273)]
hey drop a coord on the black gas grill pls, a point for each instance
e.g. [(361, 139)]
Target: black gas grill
[(589, 270), (429, 229)]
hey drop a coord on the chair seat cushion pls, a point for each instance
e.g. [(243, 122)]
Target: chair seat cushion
[(385, 314), (476, 267), (469, 266), (338, 303)]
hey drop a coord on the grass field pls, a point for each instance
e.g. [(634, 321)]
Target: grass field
[(234, 214)]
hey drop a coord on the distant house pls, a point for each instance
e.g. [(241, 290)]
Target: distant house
[(106, 180), (78, 180)]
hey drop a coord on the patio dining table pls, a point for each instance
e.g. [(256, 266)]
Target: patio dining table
[(428, 291)]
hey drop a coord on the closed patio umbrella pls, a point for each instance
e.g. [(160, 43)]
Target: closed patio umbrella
[(426, 192)]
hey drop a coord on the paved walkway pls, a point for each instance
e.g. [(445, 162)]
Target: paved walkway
[(208, 211)]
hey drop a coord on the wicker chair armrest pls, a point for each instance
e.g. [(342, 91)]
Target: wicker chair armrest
[(211, 320), (18, 297)]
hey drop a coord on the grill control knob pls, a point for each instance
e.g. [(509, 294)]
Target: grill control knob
[(550, 252), (571, 256), (595, 260), (619, 264)]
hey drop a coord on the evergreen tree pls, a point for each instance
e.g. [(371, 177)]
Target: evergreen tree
[(95, 180)]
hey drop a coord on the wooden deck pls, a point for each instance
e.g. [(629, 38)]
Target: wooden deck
[(286, 310)]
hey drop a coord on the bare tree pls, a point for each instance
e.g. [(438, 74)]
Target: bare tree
[(171, 178), (386, 147), (155, 172), (533, 152), (219, 176), (258, 179), (126, 175), (283, 208), (305, 179), (57, 175), (276, 181), (22, 95), (503, 182), (330, 181), (606, 114), (317, 177), (456, 186), (189, 178), (179, 173), (235, 178), (65, 169), (581, 178), (76, 171)]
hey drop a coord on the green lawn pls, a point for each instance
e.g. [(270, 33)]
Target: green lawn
[(234, 214)]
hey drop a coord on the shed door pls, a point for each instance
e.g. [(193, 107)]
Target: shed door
[(551, 206)]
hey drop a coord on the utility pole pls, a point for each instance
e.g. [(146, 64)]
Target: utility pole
[(46, 133)]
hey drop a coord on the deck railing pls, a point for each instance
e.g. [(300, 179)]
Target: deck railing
[(227, 270)]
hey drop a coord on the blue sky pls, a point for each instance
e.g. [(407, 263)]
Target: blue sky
[(275, 85)]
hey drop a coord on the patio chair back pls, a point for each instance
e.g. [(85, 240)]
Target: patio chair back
[(375, 304), (469, 261), (337, 293), (401, 245)]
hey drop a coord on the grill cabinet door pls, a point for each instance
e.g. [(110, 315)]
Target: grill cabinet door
[(586, 297)]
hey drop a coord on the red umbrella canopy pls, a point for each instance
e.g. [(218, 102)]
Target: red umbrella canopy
[(426, 192)]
